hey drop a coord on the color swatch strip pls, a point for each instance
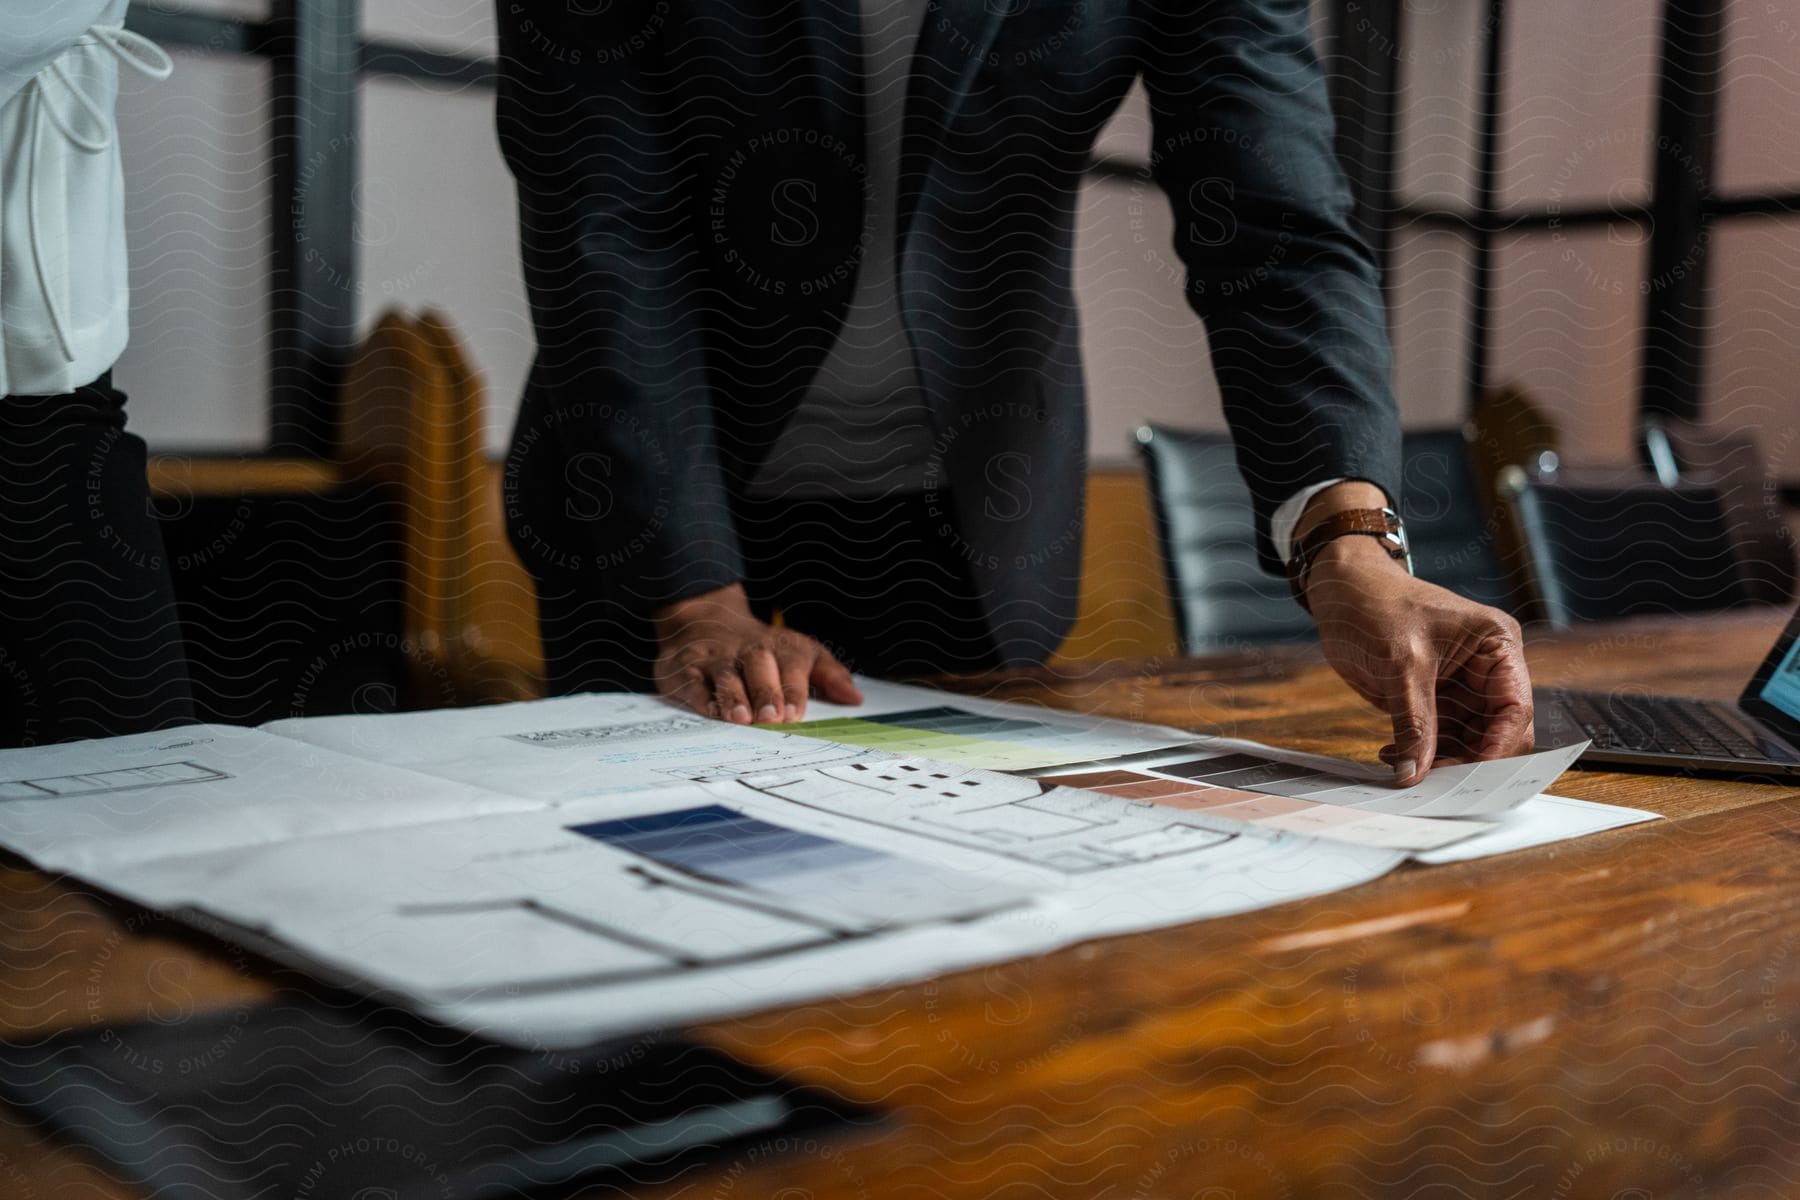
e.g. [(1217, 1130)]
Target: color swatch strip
[(968, 739), (1289, 814), (817, 878)]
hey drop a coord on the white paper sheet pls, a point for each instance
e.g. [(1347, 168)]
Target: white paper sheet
[(1478, 789), (583, 747), (83, 806), (568, 749), (1237, 875), (541, 900), (732, 894), (1538, 822), (1231, 875), (1273, 811), (557, 871)]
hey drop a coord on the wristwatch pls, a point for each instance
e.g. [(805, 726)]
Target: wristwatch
[(1383, 524)]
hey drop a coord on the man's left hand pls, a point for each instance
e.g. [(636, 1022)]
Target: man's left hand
[(1448, 671)]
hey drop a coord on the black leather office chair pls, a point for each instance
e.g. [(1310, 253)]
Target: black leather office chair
[(1730, 460), (1223, 598), (1450, 530), (1597, 550)]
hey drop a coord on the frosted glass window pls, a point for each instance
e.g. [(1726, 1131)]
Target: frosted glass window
[(1144, 348), (197, 189), (1429, 277), (1441, 49), (1753, 361), (436, 226), (1567, 316), (1578, 102), (1759, 142)]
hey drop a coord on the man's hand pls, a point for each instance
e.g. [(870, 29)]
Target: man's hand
[(714, 656), (1448, 671)]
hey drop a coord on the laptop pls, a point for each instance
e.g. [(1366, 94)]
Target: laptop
[(1758, 734)]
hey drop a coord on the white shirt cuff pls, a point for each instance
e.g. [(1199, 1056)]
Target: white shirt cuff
[(1281, 525)]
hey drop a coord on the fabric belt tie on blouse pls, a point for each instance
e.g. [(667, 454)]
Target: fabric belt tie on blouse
[(133, 50)]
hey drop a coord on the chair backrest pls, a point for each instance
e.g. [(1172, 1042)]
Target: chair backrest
[(1447, 523), (1730, 460), (412, 406), (397, 424), (1508, 427), (1222, 597), (495, 653), (1601, 550)]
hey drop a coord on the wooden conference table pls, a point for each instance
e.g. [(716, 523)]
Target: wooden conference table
[(1615, 1016)]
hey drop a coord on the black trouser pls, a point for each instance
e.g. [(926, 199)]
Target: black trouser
[(875, 580), (89, 641)]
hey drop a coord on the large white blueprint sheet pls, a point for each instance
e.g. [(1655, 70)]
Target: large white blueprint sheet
[(581, 747), (87, 806), (590, 747), (554, 872)]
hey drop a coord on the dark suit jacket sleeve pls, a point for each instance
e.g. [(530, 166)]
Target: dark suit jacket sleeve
[(616, 441), (1289, 292)]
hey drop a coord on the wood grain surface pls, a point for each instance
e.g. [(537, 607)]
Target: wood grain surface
[(1614, 1017)]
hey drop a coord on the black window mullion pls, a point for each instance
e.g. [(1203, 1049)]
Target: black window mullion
[(1675, 301), (200, 31), (316, 58), (1485, 202)]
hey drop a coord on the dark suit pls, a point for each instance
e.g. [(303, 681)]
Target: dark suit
[(690, 215)]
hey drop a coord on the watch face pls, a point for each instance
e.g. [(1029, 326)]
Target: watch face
[(1400, 546), (1402, 549)]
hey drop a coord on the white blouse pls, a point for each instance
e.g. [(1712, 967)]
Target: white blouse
[(63, 283)]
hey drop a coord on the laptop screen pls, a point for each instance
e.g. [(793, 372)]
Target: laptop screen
[(1777, 681), (1783, 687)]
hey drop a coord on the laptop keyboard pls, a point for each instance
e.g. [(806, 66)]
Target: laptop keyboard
[(1666, 725)]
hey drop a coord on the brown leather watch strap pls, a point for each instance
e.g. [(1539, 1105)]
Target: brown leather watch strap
[(1381, 523)]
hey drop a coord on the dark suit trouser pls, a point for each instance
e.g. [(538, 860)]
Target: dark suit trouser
[(879, 582), (89, 640)]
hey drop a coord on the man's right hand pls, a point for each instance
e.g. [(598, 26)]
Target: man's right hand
[(714, 656)]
